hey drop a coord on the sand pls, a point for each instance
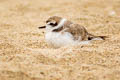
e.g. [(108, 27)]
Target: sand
[(24, 54)]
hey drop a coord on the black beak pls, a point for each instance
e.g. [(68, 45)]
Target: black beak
[(42, 27)]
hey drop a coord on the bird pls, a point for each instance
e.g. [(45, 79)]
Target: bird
[(60, 32)]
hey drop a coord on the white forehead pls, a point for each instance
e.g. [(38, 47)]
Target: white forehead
[(48, 23), (51, 22)]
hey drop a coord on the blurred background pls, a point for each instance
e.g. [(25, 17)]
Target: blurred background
[(24, 54)]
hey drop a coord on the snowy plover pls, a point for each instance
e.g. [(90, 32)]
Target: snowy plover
[(61, 32)]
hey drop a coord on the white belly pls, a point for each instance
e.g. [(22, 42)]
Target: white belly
[(59, 39)]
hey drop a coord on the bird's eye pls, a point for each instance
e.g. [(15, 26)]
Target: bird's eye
[(53, 24)]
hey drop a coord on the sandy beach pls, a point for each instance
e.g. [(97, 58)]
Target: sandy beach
[(24, 54)]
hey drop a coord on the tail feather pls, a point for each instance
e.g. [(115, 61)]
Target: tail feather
[(92, 37), (102, 37)]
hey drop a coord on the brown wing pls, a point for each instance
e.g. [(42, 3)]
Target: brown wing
[(77, 31)]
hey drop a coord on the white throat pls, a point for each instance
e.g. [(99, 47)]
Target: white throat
[(50, 28)]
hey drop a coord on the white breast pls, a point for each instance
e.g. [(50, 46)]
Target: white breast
[(58, 39)]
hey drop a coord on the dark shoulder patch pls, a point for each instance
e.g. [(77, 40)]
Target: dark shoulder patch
[(58, 30)]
